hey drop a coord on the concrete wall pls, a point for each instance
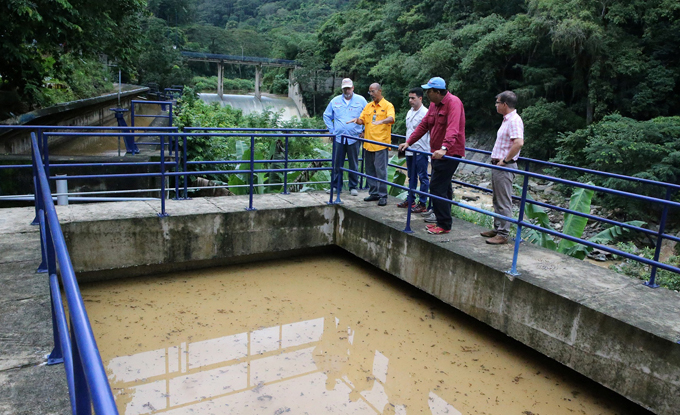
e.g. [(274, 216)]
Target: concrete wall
[(91, 111), (605, 326)]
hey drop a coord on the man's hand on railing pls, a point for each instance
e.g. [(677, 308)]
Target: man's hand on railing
[(403, 146), (439, 154)]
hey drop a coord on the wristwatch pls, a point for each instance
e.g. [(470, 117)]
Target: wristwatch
[(507, 162), (443, 148)]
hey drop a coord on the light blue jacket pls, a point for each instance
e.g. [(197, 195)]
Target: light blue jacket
[(338, 112)]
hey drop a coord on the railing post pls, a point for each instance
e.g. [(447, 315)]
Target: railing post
[(170, 115), (36, 188), (162, 214), (285, 170), (56, 356), (45, 154), (410, 169), (518, 236), (659, 240), (132, 114), (252, 172), (363, 157), (83, 401), (186, 176), (330, 200), (42, 268), (176, 143)]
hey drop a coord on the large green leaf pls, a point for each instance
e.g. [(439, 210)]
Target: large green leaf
[(574, 225), (609, 235), (395, 175)]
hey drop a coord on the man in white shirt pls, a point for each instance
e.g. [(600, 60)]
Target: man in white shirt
[(509, 141), (417, 163)]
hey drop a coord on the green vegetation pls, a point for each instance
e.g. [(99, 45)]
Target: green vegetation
[(642, 272), (192, 112)]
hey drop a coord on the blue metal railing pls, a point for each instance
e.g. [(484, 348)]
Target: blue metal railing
[(163, 105), (184, 168), (520, 222), (76, 348)]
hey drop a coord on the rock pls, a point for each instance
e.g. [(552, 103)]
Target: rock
[(667, 250), (470, 198), (485, 184)]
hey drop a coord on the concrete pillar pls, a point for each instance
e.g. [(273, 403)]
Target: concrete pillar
[(258, 78), (220, 80)]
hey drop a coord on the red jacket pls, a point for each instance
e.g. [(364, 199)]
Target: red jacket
[(446, 123)]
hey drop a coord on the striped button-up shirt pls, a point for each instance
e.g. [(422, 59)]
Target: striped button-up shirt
[(512, 128)]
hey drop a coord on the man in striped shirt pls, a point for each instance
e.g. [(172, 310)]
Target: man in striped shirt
[(509, 141)]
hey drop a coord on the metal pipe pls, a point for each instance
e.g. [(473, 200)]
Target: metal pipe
[(62, 190)]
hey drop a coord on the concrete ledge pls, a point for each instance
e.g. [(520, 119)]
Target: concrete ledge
[(606, 326)]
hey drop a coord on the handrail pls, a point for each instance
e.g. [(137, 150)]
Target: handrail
[(84, 369), (575, 168), (181, 169), (666, 203)]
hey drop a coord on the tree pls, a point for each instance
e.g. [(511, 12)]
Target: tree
[(30, 31)]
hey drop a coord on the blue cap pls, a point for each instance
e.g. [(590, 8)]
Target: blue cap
[(436, 82)]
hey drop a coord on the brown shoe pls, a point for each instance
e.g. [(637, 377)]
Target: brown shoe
[(497, 240), (489, 234)]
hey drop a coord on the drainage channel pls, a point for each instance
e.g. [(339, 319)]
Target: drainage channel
[(317, 335)]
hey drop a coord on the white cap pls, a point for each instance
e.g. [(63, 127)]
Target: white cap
[(347, 83)]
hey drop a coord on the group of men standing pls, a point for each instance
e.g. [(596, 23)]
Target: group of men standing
[(439, 130)]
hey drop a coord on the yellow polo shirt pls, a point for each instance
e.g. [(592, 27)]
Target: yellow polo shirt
[(382, 132)]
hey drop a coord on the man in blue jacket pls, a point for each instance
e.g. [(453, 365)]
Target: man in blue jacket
[(340, 110)]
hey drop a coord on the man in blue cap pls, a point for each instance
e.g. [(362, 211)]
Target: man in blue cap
[(445, 121), (339, 112)]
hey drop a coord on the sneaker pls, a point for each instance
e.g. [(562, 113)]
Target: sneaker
[(431, 219), (371, 198), (328, 191), (437, 230), (427, 213), (489, 234), (353, 192), (419, 208), (382, 201), (430, 225), (404, 204)]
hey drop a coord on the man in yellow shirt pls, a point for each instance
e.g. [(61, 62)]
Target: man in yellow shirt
[(378, 117)]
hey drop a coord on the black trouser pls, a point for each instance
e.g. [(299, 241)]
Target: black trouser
[(440, 185)]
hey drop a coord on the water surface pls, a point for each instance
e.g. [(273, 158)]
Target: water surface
[(317, 335)]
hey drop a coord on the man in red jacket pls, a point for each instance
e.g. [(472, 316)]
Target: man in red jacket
[(445, 121)]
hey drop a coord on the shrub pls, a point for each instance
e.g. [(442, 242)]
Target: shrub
[(644, 149)]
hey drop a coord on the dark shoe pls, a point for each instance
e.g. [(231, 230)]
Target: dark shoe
[(431, 219), (437, 230), (419, 208), (382, 201), (403, 204), (371, 198), (497, 240), (489, 234)]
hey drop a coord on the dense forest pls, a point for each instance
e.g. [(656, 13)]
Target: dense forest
[(609, 69)]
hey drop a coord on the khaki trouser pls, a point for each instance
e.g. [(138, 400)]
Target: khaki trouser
[(501, 183)]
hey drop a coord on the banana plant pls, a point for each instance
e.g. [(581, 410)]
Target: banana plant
[(574, 225), (396, 176)]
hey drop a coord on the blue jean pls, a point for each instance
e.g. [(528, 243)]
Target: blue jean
[(351, 151), (417, 163)]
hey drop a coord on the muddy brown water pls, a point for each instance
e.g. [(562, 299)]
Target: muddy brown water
[(317, 335)]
